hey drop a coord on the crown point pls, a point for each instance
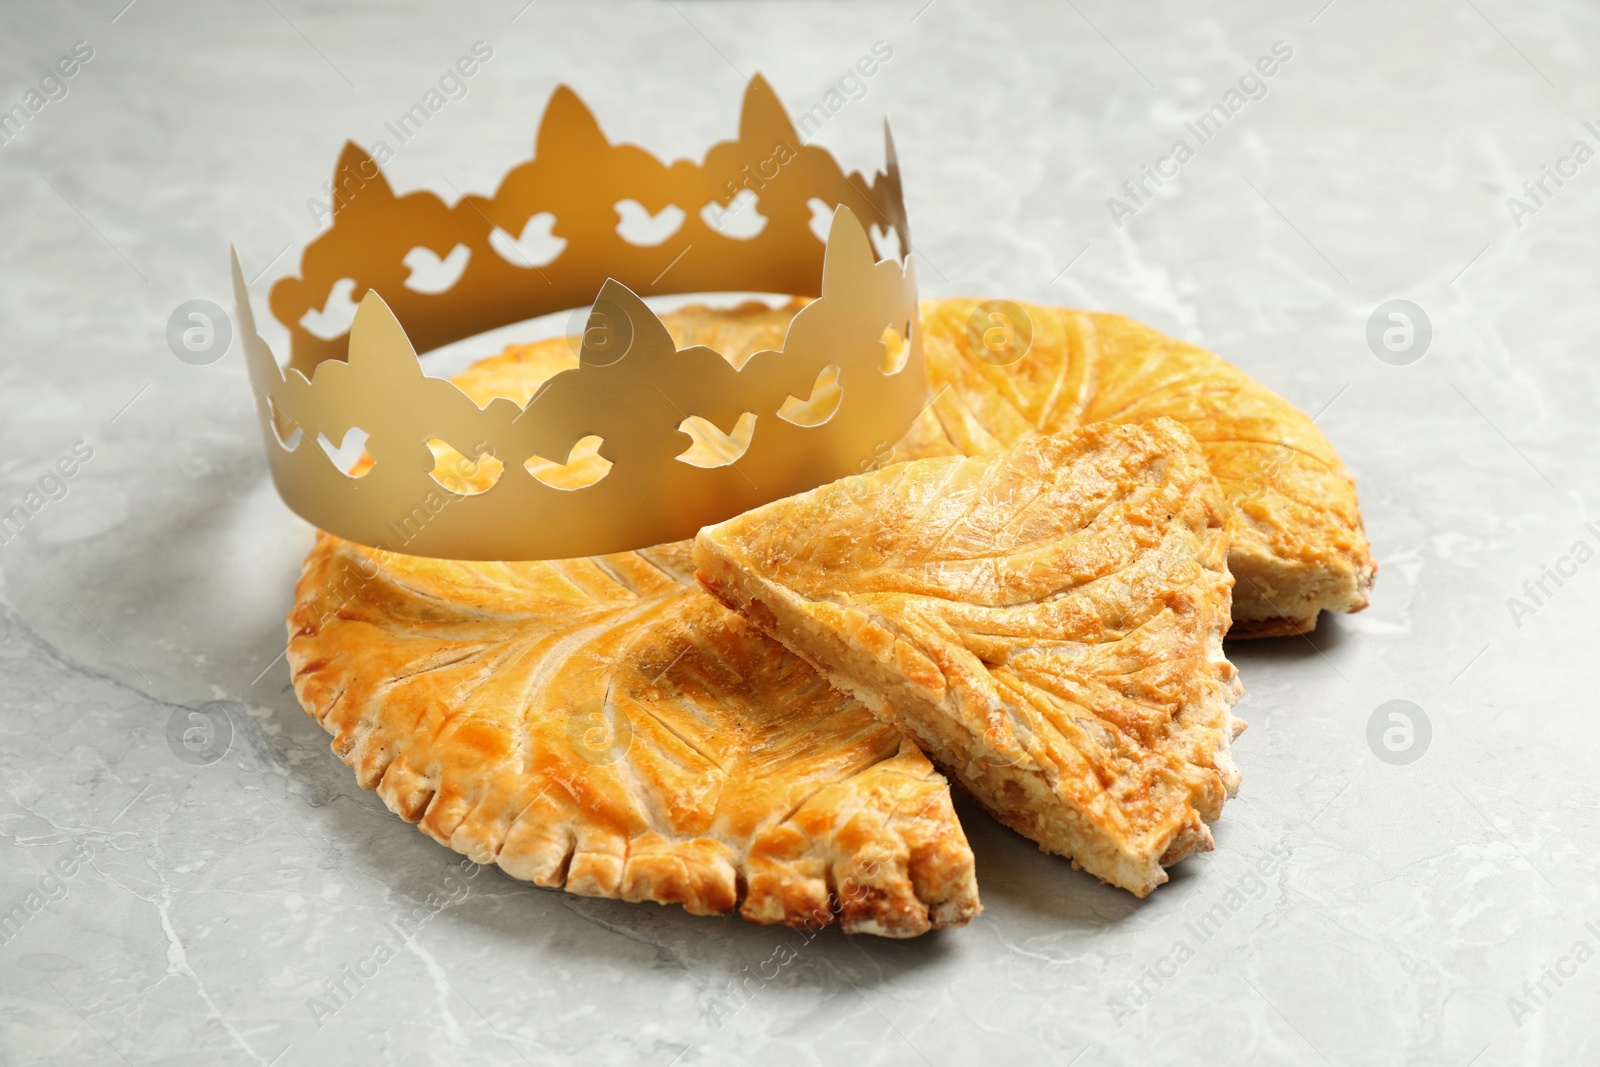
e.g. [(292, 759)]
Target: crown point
[(241, 298), (762, 116), (353, 159), (619, 323), (567, 122), (379, 342), (357, 175), (241, 291), (848, 250), (891, 175)]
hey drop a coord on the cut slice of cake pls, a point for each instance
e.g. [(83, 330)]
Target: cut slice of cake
[(1045, 621)]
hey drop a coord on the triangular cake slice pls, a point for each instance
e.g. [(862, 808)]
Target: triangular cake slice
[(1045, 621)]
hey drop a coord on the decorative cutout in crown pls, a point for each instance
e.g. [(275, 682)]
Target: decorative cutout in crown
[(633, 390)]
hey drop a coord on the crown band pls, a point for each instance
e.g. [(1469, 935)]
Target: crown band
[(632, 388)]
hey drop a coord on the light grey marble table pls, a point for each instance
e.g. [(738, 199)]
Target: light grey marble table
[(1358, 909)]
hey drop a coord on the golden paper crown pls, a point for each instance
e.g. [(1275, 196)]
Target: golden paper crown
[(860, 340)]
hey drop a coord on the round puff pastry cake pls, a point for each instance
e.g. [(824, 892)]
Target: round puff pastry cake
[(1297, 544), (604, 725)]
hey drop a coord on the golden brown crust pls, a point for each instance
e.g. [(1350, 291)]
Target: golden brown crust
[(604, 725), (1297, 541), (1046, 621)]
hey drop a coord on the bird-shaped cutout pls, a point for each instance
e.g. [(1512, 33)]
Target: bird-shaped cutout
[(334, 317), (536, 246), (639, 227), (461, 473), (430, 274), (346, 455), (826, 396), (584, 466), (712, 447), (741, 219)]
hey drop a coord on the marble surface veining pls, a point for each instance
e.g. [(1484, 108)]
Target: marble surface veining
[(1423, 897)]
